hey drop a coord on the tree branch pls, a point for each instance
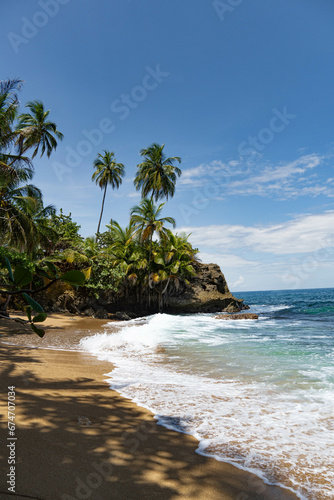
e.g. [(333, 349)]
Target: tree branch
[(30, 292)]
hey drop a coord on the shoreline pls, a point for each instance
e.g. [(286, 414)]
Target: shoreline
[(77, 438)]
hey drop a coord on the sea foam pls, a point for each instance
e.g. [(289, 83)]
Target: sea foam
[(253, 394)]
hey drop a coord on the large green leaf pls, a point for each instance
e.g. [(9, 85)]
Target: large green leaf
[(39, 331), (76, 278), (40, 318), (43, 273), (174, 269), (9, 269), (22, 276), (35, 305), (52, 268), (159, 260)]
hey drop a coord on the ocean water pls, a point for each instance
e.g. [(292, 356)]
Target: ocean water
[(255, 393)]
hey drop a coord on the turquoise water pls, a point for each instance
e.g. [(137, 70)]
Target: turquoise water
[(256, 393)]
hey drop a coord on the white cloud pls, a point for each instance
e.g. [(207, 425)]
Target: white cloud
[(255, 177), (240, 282), (133, 194), (304, 234), (225, 260)]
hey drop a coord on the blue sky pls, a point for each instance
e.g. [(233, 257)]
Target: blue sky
[(241, 90)]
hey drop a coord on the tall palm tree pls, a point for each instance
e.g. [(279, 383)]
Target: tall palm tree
[(35, 131), (146, 220), (157, 174), (9, 104), (107, 172)]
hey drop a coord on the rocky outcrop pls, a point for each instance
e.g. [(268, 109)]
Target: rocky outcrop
[(238, 316), (205, 292)]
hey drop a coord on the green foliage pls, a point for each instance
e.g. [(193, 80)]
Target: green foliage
[(104, 240), (16, 258), (104, 275), (22, 276), (75, 278), (34, 130), (23, 218), (107, 172), (67, 231), (33, 304), (14, 283), (157, 174)]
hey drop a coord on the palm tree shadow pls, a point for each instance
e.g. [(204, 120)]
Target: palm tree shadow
[(77, 439)]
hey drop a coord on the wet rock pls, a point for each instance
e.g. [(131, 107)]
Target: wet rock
[(101, 314), (238, 316), (122, 316), (88, 312)]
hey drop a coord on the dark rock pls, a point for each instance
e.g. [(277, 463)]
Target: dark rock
[(88, 312), (205, 292), (238, 316), (101, 314), (122, 316)]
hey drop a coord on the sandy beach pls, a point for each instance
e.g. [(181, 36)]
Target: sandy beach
[(77, 439)]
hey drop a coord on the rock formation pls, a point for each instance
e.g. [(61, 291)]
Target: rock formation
[(206, 292), (238, 316)]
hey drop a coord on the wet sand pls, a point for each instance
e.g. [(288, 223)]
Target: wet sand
[(77, 439)]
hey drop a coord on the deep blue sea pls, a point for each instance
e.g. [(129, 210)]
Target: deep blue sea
[(256, 393)]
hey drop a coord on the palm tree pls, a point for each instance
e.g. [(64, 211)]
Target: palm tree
[(172, 261), (107, 172), (17, 227), (120, 237), (45, 235), (146, 222), (126, 253), (35, 131), (90, 247), (9, 104), (157, 174)]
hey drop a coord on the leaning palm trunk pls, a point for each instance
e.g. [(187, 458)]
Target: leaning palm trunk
[(161, 296), (4, 307), (104, 197)]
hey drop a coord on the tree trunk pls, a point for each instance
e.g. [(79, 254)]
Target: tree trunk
[(5, 305), (104, 197), (149, 272)]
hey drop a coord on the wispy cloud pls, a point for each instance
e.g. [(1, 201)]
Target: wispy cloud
[(253, 176), (240, 282), (304, 234), (223, 260)]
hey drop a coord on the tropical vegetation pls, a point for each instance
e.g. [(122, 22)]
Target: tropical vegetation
[(38, 246)]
